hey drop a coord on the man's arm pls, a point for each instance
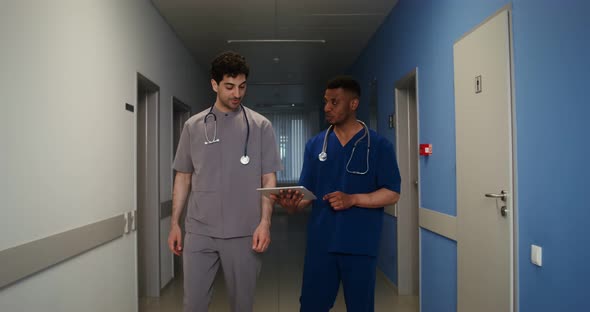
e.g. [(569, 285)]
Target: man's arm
[(182, 185), (268, 180), (377, 199), (388, 178), (261, 237)]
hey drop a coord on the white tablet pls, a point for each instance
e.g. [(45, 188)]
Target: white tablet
[(266, 191)]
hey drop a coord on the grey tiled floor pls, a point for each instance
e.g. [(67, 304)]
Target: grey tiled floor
[(280, 280)]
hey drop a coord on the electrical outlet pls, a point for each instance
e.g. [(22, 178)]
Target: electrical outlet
[(537, 255)]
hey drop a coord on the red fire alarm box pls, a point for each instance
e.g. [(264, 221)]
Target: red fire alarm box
[(425, 149)]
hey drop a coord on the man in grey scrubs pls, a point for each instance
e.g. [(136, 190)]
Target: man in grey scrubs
[(225, 152)]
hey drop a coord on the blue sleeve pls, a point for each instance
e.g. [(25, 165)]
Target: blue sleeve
[(388, 173), (307, 173)]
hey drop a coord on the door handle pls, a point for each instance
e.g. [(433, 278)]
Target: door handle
[(501, 196)]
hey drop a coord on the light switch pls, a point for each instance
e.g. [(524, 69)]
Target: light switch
[(537, 255)]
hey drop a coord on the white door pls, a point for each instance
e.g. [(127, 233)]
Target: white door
[(483, 112)]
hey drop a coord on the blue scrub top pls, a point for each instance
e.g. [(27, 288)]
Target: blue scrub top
[(355, 230)]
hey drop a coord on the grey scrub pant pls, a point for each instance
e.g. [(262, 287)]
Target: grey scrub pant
[(241, 267)]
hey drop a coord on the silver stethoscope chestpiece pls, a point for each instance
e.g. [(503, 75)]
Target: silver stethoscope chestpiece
[(207, 142), (323, 155), (245, 160)]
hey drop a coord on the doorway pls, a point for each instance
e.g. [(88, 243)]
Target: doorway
[(180, 114), (148, 188), (407, 211), (484, 152)]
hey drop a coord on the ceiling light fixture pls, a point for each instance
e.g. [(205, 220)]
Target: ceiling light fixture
[(276, 41), (343, 14)]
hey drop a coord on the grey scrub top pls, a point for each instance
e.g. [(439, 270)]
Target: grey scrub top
[(223, 201)]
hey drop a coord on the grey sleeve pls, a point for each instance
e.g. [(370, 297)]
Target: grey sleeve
[(271, 161), (183, 161)]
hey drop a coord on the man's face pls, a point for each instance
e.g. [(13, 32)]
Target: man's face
[(339, 106), (230, 91)]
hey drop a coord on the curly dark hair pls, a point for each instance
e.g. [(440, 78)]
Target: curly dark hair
[(345, 82), (228, 63)]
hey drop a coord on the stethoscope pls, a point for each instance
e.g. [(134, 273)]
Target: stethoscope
[(245, 159), (323, 156)]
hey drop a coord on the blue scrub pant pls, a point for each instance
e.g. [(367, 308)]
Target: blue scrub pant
[(323, 273)]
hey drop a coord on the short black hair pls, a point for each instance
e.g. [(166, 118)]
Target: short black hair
[(228, 63), (345, 82)]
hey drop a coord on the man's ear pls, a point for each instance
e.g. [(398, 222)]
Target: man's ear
[(214, 85), (354, 104)]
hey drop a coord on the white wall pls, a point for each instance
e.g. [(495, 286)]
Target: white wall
[(94, 281), (67, 145)]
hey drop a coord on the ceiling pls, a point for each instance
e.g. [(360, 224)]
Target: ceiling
[(281, 73)]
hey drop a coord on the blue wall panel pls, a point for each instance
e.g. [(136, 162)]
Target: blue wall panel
[(387, 260), (438, 269), (552, 69)]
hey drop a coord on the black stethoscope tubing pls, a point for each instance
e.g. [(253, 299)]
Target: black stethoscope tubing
[(245, 159), (323, 156)]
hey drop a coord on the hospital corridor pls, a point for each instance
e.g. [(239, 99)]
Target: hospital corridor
[(441, 146)]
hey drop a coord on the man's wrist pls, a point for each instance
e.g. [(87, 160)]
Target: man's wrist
[(355, 199), (265, 222)]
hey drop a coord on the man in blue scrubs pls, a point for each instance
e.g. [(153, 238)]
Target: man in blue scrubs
[(353, 172)]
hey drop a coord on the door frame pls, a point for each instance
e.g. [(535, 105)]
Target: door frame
[(177, 105), (148, 220), (408, 261), (515, 247)]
